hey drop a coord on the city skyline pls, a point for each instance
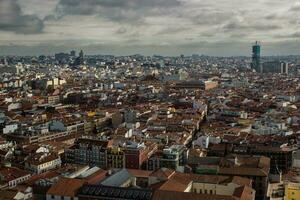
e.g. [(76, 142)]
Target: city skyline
[(149, 99), (172, 27)]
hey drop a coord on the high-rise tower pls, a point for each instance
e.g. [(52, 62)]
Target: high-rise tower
[(79, 60), (73, 53), (256, 65), (81, 54)]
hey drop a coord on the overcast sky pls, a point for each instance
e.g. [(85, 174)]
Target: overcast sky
[(168, 27)]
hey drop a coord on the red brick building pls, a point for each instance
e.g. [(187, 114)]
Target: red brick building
[(137, 155)]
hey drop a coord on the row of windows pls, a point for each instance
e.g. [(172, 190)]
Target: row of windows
[(62, 197), (204, 191), (20, 180)]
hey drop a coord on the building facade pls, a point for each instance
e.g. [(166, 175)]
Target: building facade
[(256, 64), (88, 152)]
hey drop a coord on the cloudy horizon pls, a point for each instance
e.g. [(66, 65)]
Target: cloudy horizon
[(167, 27)]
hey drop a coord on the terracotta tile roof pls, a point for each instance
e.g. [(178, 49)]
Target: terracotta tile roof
[(30, 148), (244, 193), (139, 173), (12, 173), (41, 158), (243, 171), (180, 181), (163, 173), (156, 186), (96, 177), (46, 175), (173, 195), (66, 187), (242, 181)]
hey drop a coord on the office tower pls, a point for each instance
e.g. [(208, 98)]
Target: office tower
[(73, 53), (81, 54), (275, 67), (61, 57), (79, 60), (285, 68), (256, 65)]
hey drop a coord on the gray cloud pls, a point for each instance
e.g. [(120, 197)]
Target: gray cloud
[(130, 25), (295, 7), (121, 30), (171, 29), (115, 10), (234, 25), (208, 16), (295, 35), (228, 48), (12, 19), (271, 16)]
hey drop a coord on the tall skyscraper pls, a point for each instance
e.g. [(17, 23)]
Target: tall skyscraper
[(80, 59), (81, 54), (256, 65)]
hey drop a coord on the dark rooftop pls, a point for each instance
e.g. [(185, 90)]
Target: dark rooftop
[(100, 192)]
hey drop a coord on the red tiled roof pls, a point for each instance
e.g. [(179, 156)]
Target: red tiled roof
[(173, 195), (163, 173), (139, 173), (46, 175), (66, 187), (11, 173), (96, 177)]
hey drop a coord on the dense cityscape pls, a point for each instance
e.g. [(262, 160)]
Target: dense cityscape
[(77, 126), (149, 100)]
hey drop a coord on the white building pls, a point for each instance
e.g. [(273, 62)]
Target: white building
[(42, 162)]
